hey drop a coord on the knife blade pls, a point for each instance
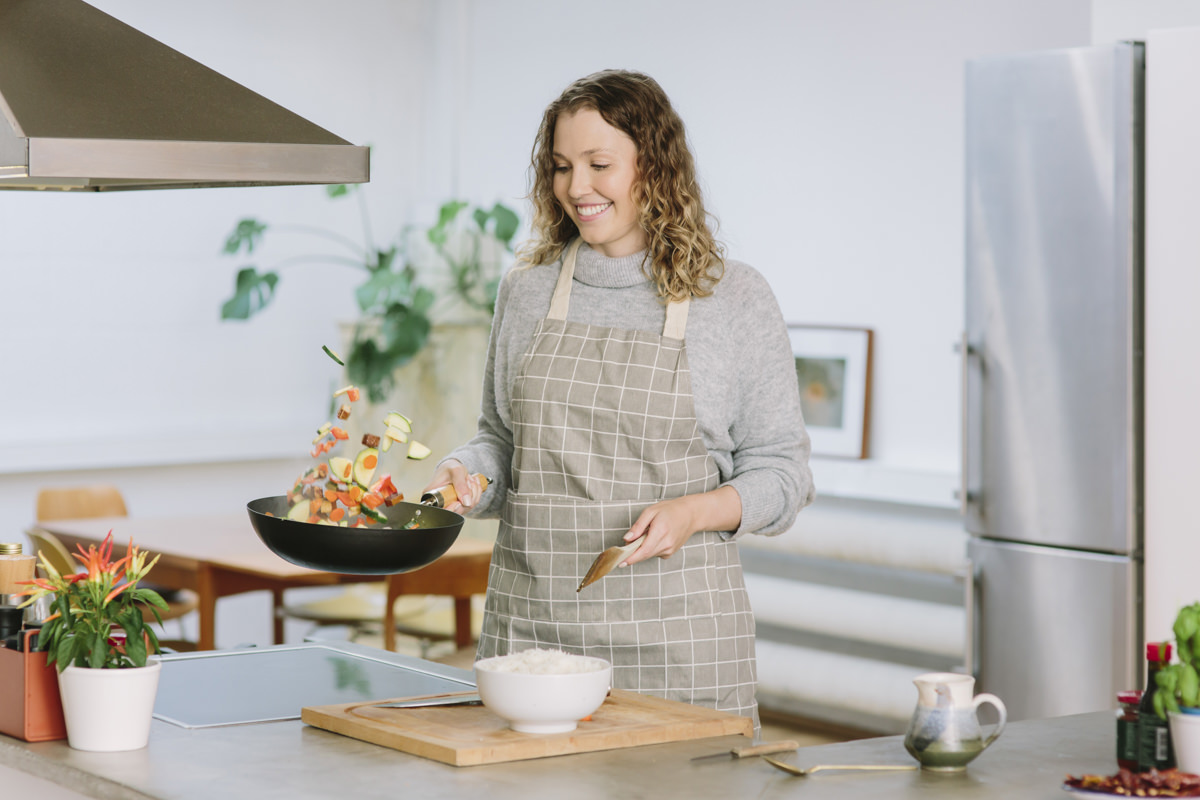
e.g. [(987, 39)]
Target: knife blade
[(749, 751), (441, 700)]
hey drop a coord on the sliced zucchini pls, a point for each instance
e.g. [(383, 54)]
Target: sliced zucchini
[(333, 355), (395, 419), (299, 511), (417, 451), (341, 469), (374, 514), (364, 466), (395, 434)]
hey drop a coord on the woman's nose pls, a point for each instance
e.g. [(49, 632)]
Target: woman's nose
[(580, 183)]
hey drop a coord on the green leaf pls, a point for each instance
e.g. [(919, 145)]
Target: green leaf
[(422, 301), (439, 233), (1189, 686), (135, 650), (337, 190), (98, 649), (507, 223), (246, 235), (251, 294), (404, 332), (381, 287), (385, 258)]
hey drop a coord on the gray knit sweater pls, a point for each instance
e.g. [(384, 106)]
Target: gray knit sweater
[(743, 376)]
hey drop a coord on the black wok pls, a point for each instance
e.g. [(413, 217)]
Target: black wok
[(380, 549)]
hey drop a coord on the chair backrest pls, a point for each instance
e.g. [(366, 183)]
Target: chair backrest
[(48, 545), (80, 502)]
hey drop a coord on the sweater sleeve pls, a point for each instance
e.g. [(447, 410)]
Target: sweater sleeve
[(771, 447), (490, 452)]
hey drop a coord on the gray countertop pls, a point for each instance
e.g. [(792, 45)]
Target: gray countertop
[(291, 760)]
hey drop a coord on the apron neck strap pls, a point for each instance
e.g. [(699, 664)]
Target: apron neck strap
[(677, 311)]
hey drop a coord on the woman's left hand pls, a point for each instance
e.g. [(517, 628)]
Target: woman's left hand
[(668, 524)]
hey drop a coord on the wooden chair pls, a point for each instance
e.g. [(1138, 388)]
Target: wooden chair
[(86, 502), (360, 607)]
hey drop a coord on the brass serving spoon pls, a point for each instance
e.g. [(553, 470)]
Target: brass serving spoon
[(789, 769)]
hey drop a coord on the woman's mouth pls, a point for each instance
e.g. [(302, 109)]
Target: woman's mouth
[(591, 212)]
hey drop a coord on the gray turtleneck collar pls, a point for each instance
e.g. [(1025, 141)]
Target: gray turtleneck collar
[(597, 269)]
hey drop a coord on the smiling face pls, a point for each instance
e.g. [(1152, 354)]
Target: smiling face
[(595, 167)]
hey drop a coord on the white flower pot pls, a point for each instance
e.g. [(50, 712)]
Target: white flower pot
[(108, 709), (1185, 738)]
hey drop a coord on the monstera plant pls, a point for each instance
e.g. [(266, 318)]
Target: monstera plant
[(396, 300)]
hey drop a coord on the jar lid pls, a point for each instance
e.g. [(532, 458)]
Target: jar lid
[(1158, 651), (10, 548), (1130, 698)]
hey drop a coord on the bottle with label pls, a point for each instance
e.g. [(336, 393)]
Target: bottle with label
[(1127, 729), (1154, 736)]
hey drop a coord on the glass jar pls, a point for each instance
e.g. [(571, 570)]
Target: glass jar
[(1127, 729)]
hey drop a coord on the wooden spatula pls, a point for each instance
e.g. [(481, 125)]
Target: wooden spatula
[(606, 561)]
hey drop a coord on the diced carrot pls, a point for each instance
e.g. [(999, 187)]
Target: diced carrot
[(330, 494), (314, 505), (338, 433), (370, 462), (322, 470), (337, 514), (352, 394), (344, 498), (313, 518), (372, 500), (356, 493)]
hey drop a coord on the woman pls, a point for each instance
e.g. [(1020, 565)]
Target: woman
[(637, 384)]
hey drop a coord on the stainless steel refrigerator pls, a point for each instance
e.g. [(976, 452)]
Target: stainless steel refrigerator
[(1052, 375)]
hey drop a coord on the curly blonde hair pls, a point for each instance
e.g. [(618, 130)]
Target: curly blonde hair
[(685, 260)]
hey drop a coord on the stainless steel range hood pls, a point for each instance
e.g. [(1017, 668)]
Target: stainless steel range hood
[(88, 103)]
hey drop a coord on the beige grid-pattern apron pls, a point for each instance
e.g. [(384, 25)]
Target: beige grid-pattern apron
[(604, 425)]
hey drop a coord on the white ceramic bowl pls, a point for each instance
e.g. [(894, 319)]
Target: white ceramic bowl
[(543, 702)]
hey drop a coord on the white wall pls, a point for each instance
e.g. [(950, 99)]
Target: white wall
[(829, 139)]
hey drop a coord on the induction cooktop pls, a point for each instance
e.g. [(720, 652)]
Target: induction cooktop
[(268, 684)]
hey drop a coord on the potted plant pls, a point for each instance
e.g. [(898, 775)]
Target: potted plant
[(1177, 698), (98, 638), (398, 300)]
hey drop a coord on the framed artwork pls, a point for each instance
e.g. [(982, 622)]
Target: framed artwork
[(833, 365)]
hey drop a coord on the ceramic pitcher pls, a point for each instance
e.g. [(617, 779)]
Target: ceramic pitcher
[(944, 734)]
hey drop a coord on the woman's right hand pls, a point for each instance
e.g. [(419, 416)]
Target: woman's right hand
[(465, 485)]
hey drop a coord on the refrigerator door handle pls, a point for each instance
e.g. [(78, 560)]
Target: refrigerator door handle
[(971, 618), (965, 351)]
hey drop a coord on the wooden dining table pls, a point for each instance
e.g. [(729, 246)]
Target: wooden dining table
[(219, 555)]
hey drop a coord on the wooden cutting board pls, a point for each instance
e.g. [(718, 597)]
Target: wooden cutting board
[(467, 735)]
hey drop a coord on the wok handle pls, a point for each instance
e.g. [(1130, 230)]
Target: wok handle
[(445, 495)]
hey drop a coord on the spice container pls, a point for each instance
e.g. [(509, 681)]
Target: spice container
[(1127, 729), (14, 569)]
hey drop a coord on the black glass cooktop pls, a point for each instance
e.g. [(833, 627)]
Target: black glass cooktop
[(265, 684)]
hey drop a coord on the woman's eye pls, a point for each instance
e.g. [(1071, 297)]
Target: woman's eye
[(560, 168), (600, 166)]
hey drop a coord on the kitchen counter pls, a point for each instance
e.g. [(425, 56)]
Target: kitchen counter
[(294, 761)]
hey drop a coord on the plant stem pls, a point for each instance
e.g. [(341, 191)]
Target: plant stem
[(327, 234)]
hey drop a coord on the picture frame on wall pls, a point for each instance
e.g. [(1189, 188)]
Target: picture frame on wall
[(833, 366)]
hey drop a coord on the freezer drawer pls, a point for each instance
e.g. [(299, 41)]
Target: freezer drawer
[(1058, 630)]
